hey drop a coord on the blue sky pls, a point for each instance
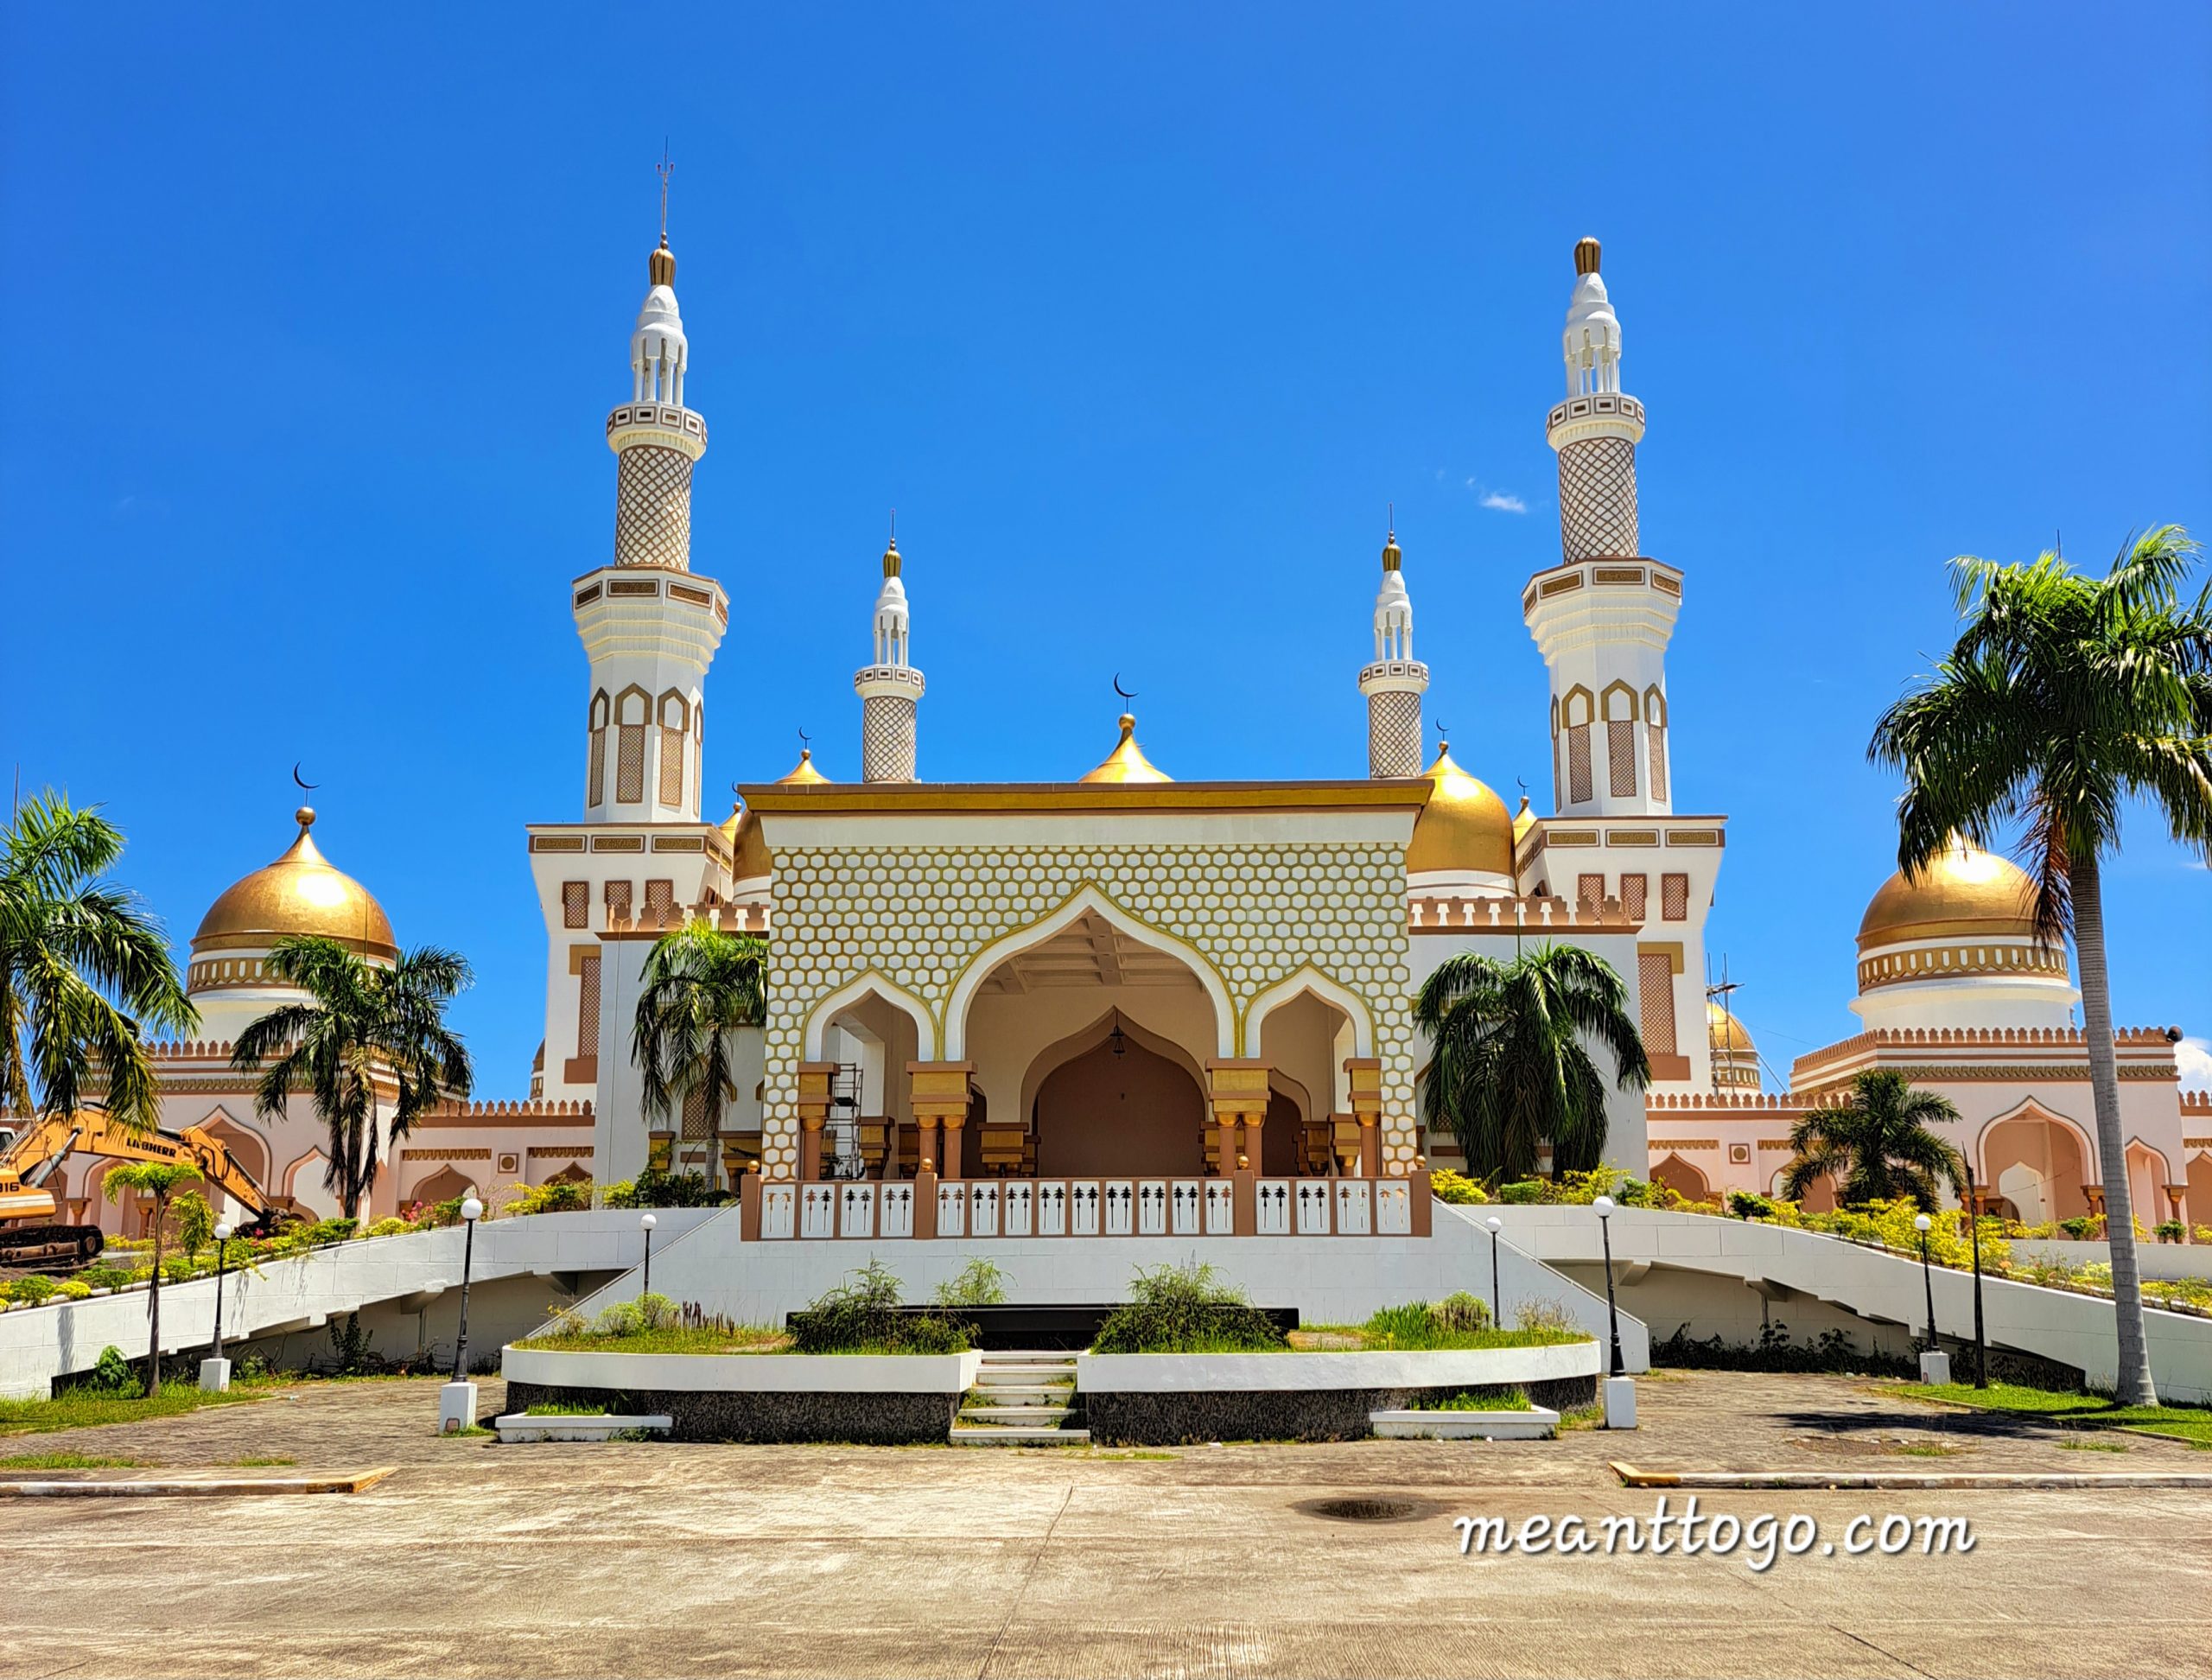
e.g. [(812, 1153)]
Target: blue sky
[(1139, 317)]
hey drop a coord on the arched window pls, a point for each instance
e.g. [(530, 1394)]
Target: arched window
[(1655, 717), (596, 788), (633, 711), (675, 714), (1576, 713), (1620, 740)]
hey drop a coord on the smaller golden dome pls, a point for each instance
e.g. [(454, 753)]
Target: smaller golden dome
[(804, 775), (299, 893), (1127, 762), (1724, 1031), (1463, 829), (661, 265), (1523, 820), (891, 558), (1393, 557), (1964, 892), (1587, 252), (746, 848)]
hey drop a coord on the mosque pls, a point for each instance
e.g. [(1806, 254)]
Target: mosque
[(1035, 1007)]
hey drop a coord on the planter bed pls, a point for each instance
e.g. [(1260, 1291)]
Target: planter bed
[(575, 1426), (1178, 1399), (1019, 1328), (1530, 1424), (877, 1398)]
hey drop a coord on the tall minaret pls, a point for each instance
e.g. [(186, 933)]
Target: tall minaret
[(1394, 683), (650, 625), (1603, 616), (888, 688)]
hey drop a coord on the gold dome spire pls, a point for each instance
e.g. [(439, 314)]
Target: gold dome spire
[(1724, 1030), (1464, 827), (1392, 559), (1523, 820), (1587, 252), (1963, 891), (891, 558), (1127, 762), (804, 775), (299, 893), (741, 830), (661, 265)]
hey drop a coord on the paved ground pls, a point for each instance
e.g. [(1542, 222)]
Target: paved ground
[(648, 1559)]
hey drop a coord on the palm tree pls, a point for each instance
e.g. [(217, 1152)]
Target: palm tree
[(1876, 1144), (2065, 697), (363, 1024), (84, 969), (160, 1180), (701, 984), (1511, 1070)]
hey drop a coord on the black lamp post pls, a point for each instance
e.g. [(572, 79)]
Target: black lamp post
[(222, 1236), (1920, 1223), (1496, 1297), (646, 1225), (1973, 1229), (1618, 1365), (471, 1210)]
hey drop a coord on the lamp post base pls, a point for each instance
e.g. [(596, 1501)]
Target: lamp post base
[(1620, 1401), (215, 1376), (456, 1408), (1935, 1368)]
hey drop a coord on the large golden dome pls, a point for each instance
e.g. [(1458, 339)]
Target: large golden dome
[(1463, 829), (804, 775), (1127, 762), (1964, 893), (299, 893), (1724, 1031)]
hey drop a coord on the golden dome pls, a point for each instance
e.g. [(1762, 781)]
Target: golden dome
[(299, 893), (746, 848), (1462, 828), (660, 267), (1523, 820), (1127, 762), (891, 558), (1964, 892), (804, 775), (1724, 1031)]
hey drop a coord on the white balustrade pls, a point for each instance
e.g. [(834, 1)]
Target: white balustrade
[(1184, 1200), (1083, 1201), (1015, 1209), (1275, 1207), (1394, 1208), (817, 1210), (856, 1210), (1152, 1209), (1352, 1208), (1052, 1210), (1312, 1207), (896, 1217), (1221, 1208), (983, 1210), (777, 1201), (1120, 1214), (951, 1209)]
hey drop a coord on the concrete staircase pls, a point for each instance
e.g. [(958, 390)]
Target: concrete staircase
[(1021, 1400)]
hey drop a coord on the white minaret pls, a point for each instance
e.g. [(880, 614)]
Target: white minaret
[(888, 688), (1603, 616), (650, 624), (1394, 683)]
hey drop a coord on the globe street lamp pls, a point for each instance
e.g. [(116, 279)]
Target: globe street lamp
[(1618, 1366), (215, 1369), (471, 1210), (1973, 1229), (646, 1225), (1496, 1299), (1921, 1223)]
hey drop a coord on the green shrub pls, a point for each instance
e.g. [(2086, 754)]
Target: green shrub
[(1746, 1205), (568, 1408), (1187, 1309), (1521, 1191), (71, 1289), (1546, 1318), (31, 1288), (1475, 1399), (632, 1317), (2081, 1229), (2167, 1231), (980, 1283), (555, 1196), (392, 1227), (112, 1375), (1455, 1188), (323, 1232), (861, 1315), (194, 1222), (349, 1345), (105, 1278)]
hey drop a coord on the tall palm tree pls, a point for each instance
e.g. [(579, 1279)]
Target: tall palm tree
[(84, 969), (1511, 1070), (701, 984), (1876, 1144), (160, 1179), (363, 1024), (2065, 697)]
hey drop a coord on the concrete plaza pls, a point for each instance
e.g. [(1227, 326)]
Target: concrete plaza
[(478, 1559)]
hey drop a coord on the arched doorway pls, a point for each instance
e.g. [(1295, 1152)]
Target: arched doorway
[(2036, 1162), (439, 1187), (303, 1184), (1305, 1029), (2146, 1184), (1683, 1179), (1120, 1108), (247, 1150)]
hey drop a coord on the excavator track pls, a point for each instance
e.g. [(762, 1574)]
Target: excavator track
[(51, 1247)]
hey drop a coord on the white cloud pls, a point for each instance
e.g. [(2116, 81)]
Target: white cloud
[(1503, 503), (2194, 1057)]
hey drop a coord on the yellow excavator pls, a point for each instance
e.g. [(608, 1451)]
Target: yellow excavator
[(46, 1143)]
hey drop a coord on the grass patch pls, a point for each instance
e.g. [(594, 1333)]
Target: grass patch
[(2093, 1446), (267, 1463), (1121, 1452), (82, 1408), (1475, 1399), (66, 1461), (2094, 1411), (1582, 1417), (672, 1339), (473, 1429), (564, 1409), (1925, 1450)]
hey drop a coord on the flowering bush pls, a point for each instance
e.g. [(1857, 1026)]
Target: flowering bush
[(1457, 1188)]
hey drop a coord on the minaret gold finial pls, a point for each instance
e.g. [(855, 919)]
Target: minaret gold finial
[(891, 550), (1586, 255), (661, 268), (1391, 558)]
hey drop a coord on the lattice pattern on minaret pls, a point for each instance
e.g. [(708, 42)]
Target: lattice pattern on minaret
[(1597, 500), (652, 508), (1393, 735), (887, 738)]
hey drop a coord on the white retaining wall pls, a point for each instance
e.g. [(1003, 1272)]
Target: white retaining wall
[(2160, 1260), (520, 1260), (1735, 1263)]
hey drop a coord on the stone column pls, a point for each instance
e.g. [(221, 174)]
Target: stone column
[(1238, 1095), (939, 1097), (1365, 1073), (813, 1109)]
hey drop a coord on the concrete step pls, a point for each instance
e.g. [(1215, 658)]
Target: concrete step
[(1047, 1391), (1011, 1435), (1049, 1416), (1051, 1372)]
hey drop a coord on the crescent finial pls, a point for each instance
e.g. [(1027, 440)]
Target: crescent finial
[(304, 787), (1118, 689)]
